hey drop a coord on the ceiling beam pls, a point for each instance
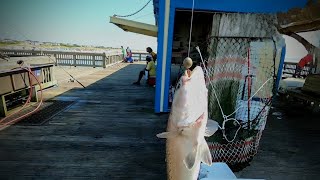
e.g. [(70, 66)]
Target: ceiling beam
[(300, 19)]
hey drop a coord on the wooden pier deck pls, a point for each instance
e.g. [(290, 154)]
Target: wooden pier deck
[(109, 132)]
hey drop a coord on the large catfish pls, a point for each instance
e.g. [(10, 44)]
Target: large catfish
[(188, 123)]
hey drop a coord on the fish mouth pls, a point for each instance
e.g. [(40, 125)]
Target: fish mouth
[(193, 123)]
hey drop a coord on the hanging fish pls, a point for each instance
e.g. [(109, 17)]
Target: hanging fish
[(188, 124)]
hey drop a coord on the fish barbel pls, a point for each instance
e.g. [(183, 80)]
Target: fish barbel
[(187, 126)]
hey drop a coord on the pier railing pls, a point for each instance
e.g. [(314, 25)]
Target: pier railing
[(139, 56), (290, 68), (68, 58)]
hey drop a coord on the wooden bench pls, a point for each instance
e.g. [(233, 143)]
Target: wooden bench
[(310, 91)]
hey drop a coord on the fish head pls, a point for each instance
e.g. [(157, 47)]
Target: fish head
[(190, 99)]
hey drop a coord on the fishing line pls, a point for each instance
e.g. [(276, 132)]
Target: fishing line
[(50, 58), (207, 73), (214, 91), (190, 30), (252, 95), (225, 118), (177, 85)]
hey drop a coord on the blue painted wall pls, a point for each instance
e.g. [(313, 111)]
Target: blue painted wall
[(161, 8), (283, 54), (254, 6), (245, 6)]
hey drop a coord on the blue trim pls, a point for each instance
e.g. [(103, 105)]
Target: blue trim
[(246, 6), (157, 103), (168, 58), (283, 55)]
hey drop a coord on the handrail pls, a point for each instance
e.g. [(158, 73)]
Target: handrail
[(290, 68), (70, 58)]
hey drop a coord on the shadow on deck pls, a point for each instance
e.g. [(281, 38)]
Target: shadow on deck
[(108, 133)]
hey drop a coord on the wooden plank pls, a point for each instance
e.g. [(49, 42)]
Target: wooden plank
[(312, 84), (109, 133)]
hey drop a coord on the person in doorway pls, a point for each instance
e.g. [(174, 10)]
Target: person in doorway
[(150, 69), (152, 54), (303, 62)]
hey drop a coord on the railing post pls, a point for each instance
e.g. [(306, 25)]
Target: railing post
[(104, 60), (94, 61), (55, 56), (119, 58), (140, 57), (74, 60)]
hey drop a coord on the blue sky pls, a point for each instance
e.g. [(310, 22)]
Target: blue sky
[(84, 22)]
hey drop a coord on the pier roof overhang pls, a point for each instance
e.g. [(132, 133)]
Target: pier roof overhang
[(134, 26), (299, 20)]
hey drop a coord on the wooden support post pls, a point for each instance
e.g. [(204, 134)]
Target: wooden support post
[(74, 60), (55, 57), (104, 58), (317, 60), (3, 107), (94, 61), (34, 95)]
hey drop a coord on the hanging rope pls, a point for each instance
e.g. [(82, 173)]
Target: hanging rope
[(225, 118), (190, 30), (134, 12), (177, 85), (206, 71)]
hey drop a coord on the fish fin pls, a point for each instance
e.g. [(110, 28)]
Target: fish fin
[(211, 128), (166, 135), (190, 158), (205, 154)]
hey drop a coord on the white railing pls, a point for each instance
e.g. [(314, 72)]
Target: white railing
[(89, 59), (290, 68)]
